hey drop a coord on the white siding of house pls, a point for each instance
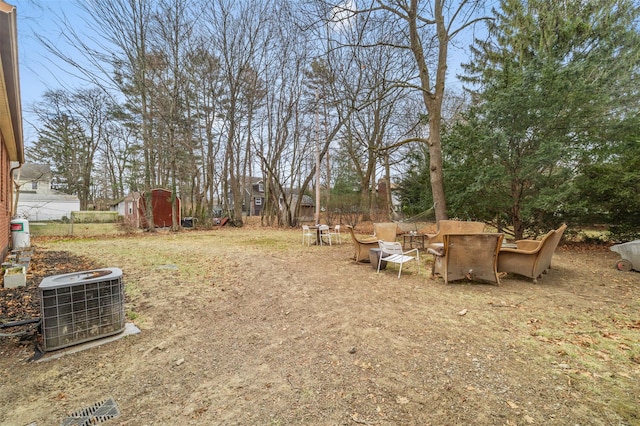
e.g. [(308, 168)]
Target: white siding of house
[(53, 207), (120, 207)]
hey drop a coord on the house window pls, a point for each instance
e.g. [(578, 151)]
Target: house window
[(258, 201), (261, 187), (34, 184)]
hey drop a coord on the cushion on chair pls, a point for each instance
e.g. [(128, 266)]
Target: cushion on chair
[(454, 227), (385, 231)]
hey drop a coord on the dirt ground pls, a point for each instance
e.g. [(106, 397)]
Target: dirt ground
[(247, 327)]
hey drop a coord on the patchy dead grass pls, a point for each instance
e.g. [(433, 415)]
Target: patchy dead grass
[(249, 327)]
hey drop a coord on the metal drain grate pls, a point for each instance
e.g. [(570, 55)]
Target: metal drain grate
[(93, 415)]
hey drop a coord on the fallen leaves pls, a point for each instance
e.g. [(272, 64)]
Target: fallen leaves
[(24, 302)]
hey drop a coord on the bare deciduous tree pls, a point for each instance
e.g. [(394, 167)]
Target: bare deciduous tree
[(236, 31), (423, 29), (74, 127)]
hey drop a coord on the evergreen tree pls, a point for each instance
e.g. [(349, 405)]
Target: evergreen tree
[(550, 81)]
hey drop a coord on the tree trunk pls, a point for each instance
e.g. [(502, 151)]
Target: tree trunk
[(435, 166), (432, 97), (387, 178)]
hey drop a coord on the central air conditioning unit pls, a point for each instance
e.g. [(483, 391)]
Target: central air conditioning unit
[(81, 306)]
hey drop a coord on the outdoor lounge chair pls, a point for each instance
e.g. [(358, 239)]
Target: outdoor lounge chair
[(392, 253), (531, 258), (362, 245), (468, 256), (453, 227)]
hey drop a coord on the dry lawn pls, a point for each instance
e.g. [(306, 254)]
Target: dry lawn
[(247, 327)]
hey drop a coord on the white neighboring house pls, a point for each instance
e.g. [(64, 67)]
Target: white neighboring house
[(36, 199), (129, 208)]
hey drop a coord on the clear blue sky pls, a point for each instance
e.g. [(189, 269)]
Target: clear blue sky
[(34, 70), (39, 70)]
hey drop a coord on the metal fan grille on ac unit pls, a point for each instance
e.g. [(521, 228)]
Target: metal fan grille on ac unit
[(80, 307)]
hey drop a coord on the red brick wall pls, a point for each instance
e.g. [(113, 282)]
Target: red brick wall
[(5, 201)]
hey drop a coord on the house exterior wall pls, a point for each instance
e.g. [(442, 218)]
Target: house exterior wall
[(53, 208), (121, 207), (11, 143), (307, 209), (252, 196), (252, 204), (5, 200), (130, 212), (129, 209), (307, 213), (33, 178), (256, 204), (35, 198)]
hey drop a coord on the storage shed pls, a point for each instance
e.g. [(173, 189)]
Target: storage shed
[(162, 212)]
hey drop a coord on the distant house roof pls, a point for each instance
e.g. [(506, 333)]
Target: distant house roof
[(132, 196), (293, 196), (253, 180), (32, 171), (307, 200), (48, 198), (250, 185)]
